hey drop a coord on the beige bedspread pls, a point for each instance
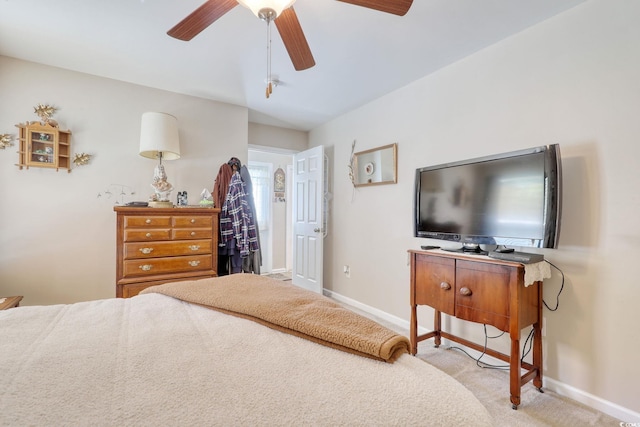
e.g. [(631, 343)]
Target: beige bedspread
[(288, 308), (153, 360)]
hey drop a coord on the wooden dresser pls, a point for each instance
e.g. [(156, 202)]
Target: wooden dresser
[(159, 245), (483, 290)]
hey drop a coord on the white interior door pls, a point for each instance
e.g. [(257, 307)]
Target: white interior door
[(308, 193)]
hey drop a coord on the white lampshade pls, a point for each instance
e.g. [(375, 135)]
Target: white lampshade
[(257, 5), (159, 134)]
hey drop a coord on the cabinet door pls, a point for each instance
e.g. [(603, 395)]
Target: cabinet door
[(482, 292), (42, 149), (435, 282)]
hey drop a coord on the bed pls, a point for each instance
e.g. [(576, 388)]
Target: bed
[(236, 350)]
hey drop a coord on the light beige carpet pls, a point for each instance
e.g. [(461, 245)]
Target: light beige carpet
[(491, 387), (280, 276)]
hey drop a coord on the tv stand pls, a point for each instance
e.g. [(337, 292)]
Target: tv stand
[(482, 290)]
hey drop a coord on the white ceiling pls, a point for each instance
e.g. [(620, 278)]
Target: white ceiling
[(360, 54)]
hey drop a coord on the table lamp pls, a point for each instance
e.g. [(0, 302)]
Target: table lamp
[(159, 139)]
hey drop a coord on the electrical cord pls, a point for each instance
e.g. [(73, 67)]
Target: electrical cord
[(559, 292), (484, 365), (528, 342)]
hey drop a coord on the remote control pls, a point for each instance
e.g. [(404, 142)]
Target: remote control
[(428, 247)]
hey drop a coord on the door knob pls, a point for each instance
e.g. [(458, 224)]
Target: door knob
[(316, 230)]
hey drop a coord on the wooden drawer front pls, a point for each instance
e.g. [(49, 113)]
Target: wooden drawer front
[(146, 235), (147, 221), (192, 221), (191, 233), (163, 249), (129, 291), (489, 289), (155, 266), (435, 283)]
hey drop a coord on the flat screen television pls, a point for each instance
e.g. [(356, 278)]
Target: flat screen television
[(509, 199)]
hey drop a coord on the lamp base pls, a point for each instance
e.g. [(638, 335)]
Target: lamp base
[(161, 204)]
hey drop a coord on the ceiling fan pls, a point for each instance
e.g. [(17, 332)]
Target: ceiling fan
[(282, 14)]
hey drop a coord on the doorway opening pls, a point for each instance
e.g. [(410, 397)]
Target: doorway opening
[(274, 214)]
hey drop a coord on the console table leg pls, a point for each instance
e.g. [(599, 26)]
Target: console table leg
[(437, 327), (413, 330), (537, 355), (514, 372), (537, 342)]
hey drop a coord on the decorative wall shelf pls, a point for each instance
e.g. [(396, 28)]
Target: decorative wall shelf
[(43, 145)]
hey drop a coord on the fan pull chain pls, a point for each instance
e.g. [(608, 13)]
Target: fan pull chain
[(269, 89)]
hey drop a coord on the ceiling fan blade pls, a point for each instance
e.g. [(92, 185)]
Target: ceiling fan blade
[(397, 7), (201, 18), (294, 40)]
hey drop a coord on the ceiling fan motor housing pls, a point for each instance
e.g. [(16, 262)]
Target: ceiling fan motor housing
[(267, 14), (267, 10)]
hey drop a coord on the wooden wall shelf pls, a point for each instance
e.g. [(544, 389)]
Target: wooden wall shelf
[(43, 145)]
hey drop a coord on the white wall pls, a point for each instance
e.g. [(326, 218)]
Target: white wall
[(57, 238), (573, 80), (278, 139)]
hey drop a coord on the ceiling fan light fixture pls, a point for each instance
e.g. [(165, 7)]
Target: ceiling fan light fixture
[(258, 6)]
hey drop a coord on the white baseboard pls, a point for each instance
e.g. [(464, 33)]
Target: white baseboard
[(602, 405), (276, 270), (595, 402)]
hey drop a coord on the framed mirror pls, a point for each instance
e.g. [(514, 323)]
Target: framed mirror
[(376, 166)]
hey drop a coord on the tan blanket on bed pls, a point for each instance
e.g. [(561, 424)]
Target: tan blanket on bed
[(288, 308)]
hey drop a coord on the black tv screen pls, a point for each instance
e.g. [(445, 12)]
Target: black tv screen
[(511, 199)]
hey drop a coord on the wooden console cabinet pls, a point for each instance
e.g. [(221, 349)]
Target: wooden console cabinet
[(159, 245), (483, 290)]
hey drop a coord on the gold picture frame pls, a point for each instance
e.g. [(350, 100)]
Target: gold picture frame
[(377, 166)]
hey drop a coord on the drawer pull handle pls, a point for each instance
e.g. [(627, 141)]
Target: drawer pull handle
[(194, 247), (148, 235), (193, 233), (193, 221), (148, 221), (194, 263), (466, 292), (146, 267), (146, 251), (445, 286)]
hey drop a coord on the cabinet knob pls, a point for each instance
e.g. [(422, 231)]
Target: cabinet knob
[(194, 247), (445, 286), (193, 233), (148, 235), (193, 221), (146, 267), (146, 251), (194, 263), (148, 221), (466, 292)]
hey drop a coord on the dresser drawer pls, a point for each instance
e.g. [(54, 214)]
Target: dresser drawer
[(191, 233), (138, 250), (191, 221), (146, 235), (155, 266), (147, 221)]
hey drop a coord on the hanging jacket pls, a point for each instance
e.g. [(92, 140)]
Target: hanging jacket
[(253, 262), (236, 219), (221, 185)]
